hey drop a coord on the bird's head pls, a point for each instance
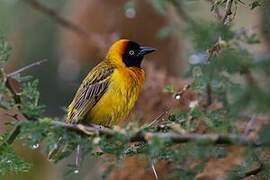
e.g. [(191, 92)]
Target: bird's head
[(128, 53)]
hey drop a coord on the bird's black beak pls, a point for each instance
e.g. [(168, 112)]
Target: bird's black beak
[(146, 50)]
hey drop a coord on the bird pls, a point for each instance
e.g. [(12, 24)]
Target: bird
[(110, 90)]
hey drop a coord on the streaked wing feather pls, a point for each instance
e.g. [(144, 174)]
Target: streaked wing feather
[(89, 93)]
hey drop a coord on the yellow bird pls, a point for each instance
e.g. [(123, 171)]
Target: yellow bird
[(110, 90)]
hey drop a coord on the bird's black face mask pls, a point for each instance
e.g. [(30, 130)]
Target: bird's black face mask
[(134, 54)]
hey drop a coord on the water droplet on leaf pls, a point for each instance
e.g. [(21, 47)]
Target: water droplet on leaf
[(76, 171), (35, 146)]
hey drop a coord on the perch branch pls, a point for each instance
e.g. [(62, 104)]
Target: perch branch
[(229, 139)]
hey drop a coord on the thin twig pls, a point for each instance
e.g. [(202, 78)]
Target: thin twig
[(209, 94), (249, 125), (15, 93), (216, 10), (158, 117), (154, 169), (67, 24), (26, 68), (253, 171), (228, 11), (14, 133), (54, 15)]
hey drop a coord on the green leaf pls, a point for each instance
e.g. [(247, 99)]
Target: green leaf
[(10, 162), (30, 99)]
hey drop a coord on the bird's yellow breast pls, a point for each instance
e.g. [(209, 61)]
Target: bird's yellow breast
[(120, 97)]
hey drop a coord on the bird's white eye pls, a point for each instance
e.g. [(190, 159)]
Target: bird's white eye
[(131, 52)]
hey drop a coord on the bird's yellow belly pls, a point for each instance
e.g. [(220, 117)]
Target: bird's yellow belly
[(118, 101)]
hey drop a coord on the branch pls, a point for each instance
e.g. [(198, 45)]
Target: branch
[(16, 131), (215, 139), (254, 171), (209, 94), (15, 92), (56, 17), (229, 139), (26, 68), (228, 11), (154, 169), (88, 130), (84, 35)]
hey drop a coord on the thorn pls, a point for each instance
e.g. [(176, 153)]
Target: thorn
[(154, 169)]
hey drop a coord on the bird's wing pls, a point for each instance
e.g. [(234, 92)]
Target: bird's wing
[(89, 93)]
